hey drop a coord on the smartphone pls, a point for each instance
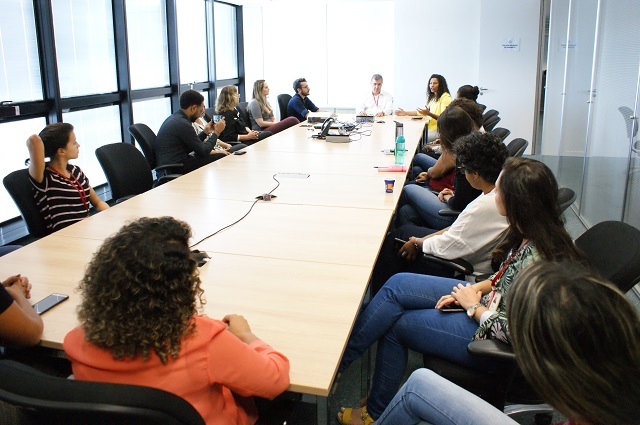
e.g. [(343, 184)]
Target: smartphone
[(399, 243), (388, 151), (49, 302), (217, 118), (239, 152), (452, 309)]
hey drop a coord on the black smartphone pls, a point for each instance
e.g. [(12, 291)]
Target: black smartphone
[(399, 243), (451, 309), (49, 302), (239, 152)]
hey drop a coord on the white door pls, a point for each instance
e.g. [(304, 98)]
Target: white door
[(508, 65)]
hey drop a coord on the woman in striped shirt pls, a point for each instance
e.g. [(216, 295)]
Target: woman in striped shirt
[(61, 190)]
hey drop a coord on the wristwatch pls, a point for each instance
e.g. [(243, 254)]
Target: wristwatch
[(472, 310)]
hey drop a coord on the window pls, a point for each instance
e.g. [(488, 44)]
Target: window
[(14, 136), (192, 41), (20, 68), (226, 41), (147, 35), (84, 47), (94, 128), (152, 112)]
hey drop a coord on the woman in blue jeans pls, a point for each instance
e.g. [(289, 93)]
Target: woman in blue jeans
[(408, 312), (421, 206), (564, 366)]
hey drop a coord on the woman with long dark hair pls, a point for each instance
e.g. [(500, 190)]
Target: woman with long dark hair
[(438, 98), (406, 313), (577, 342)]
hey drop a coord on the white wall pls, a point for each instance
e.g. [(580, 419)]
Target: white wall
[(434, 37), (338, 45)]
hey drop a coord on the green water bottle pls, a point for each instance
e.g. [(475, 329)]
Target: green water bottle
[(399, 151)]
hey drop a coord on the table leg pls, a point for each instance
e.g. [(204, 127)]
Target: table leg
[(322, 409)]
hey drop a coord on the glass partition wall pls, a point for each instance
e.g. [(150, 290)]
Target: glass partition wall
[(591, 106)]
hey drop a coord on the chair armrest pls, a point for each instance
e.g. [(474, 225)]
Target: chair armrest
[(492, 348), (167, 178), (459, 265), (449, 213), (167, 166)]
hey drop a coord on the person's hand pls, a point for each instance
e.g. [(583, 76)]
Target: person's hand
[(400, 112), (361, 113), (253, 135), (408, 251), (219, 126), (18, 285), (445, 194), (422, 177), (446, 300), (238, 325), (380, 114), (465, 295), (226, 153)]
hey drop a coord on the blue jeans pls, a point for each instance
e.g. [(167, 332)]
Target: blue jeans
[(428, 397), (422, 162), (421, 207), (402, 316)]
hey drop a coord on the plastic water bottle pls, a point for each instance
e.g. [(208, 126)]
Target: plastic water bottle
[(399, 151)]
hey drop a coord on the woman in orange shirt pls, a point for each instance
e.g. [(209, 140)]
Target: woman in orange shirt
[(139, 325)]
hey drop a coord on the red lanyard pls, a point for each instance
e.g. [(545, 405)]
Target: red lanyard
[(75, 184), (504, 266), (375, 100)]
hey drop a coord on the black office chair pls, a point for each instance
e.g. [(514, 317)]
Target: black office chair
[(517, 146), (244, 113), (491, 122), (21, 190), (483, 107), (146, 139), (502, 133), (613, 250), (631, 122), (566, 197), (45, 399), (490, 113), (127, 171), (283, 102)]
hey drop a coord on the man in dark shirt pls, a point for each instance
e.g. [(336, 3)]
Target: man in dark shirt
[(300, 105), (177, 139)]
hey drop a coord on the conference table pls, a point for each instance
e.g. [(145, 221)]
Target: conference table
[(296, 267)]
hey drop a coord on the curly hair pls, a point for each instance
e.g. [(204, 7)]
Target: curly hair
[(190, 98), (529, 193), (139, 291), (482, 153), (577, 340), (442, 87), (227, 99)]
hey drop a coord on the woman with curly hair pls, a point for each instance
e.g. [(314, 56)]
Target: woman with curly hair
[(472, 236), (261, 112), (405, 314), (139, 324), (236, 130), (438, 98)]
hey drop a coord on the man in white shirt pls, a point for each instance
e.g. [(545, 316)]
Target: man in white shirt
[(378, 102)]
